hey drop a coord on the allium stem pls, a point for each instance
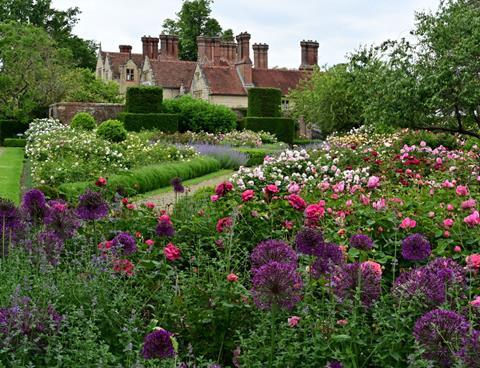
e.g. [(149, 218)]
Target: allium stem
[(273, 315)]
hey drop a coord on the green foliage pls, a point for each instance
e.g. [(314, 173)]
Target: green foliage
[(11, 166), (197, 115), (192, 21), (84, 86), (148, 178), (264, 102), (14, 142), (112, 130), (10, 129), (283, 128), (431, 139), (144, 100), (162, 122), (256, 155), (83, 121), (327, 100)]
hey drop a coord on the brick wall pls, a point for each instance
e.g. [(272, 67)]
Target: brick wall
[(65, 111)]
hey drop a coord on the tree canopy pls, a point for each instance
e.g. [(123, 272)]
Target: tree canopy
[(192, 21)]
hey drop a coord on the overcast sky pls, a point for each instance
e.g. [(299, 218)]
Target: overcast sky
[(340, 26)]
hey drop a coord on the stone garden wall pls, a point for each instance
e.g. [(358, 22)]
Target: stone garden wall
[(65, 111)]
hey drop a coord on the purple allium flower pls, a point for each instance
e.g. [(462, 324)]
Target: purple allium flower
[(124, 243), (334, 364), (308, 240), (34, 206), (92, 206), (272, 250), (327, 257), (470, 352), (416, 247), (351, 276), (431, 283), (50, 246), (361, 241), (61, 219), (165, 228), (177, 185), (439, 333), (158, 345), (276, 284)]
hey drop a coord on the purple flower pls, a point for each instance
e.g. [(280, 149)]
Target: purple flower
[(439, 333), (276, 284), (158, 345), (334, 364), (272, 250), (361, 241), (327, 257), (92, 206), (50, 246), (416, 247), (34, 206), (165, 228), (10, 219), (177, 185), (470, 352), (352, 278), (61, 219), (308, 240), (124, 243)]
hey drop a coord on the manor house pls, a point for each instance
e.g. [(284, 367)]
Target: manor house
[(222, 74)]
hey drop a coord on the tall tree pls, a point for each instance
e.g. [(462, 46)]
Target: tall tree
[(192, 21), (58, 23)]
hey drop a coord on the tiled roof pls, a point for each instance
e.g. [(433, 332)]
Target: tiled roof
[(278, 78), (117, 59), (223, 80), (171, 74)]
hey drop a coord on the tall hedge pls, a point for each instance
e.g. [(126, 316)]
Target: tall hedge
[(144, 100), (10, 129), (138, 122), (264, 102), (283, 128)]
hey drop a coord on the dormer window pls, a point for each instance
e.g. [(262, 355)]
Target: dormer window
[(130, 74)]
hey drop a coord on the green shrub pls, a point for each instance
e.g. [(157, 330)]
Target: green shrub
[(14, 142), (241, 124), (112, 130), (283, 128), (264, 102), (49, 191), (83, 121), (138, 122), (305, 141), (147, 178), (432, 139), (198, 115), (10, 129), (144, 100), (255, 155)]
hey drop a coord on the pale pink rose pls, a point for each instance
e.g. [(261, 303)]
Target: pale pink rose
[(450, 207), (354, 188), (379, 205), (373, 182), (150, 242), (408, 223), (293, 321), (457, 249), (339, 187), (364, 199), (293, 188), (334, 196), (448, 222), (472, 219), (349, 203), (231, 277), (447, 184), (462, 190), (475, 302), (324, 186), (214, 198), (431, 214), (439, 161), (469, 203)]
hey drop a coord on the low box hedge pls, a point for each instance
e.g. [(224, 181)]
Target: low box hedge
[(146, 179), (144, 100), (283, 128), (11, 128), (14, 142), (255, 155), (138, 122)]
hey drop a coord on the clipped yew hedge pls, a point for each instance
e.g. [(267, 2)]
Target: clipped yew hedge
[(264, 102), (144, 100), (162, 122), (283, 128)]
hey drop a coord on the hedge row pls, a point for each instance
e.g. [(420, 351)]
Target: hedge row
[(144, 100), (264, 102), (10, 129), (147, 178), (283, 128), (138, 122), (14, 142), (255, 155)]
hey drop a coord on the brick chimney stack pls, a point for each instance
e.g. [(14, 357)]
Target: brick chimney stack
[(145, 46), (169, 46), (244, 63), (125, 49), (309, 54), (154, 47), (150, 47), (260, 55)]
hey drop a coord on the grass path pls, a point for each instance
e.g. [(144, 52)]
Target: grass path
[(11, 165), (165, 197)]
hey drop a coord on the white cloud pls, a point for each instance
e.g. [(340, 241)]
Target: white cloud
[(339, 26)]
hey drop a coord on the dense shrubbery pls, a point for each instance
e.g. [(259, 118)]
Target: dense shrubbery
[(83, 121), (283, 128), (264, 102), (14, 142), (198, 115), (144, 100), (112, 130), (161, 122), (11, 128)]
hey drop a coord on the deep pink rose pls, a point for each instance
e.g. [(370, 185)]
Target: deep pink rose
[(297, 202), (247, 195), (172, 253), (408, 223)]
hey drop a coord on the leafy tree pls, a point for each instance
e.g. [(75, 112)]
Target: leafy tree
[(32, 70), (58, 23), (83, 86), (192, 21)]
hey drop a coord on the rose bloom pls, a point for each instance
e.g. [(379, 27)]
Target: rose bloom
[(271, 188), (379, 205), (131, 206), (365, 200), (150, 205), (342, 322), (125, 201), (475, 302), (473, 219), (408, 223), (172, 253), (457, 249), (293, 321), (462, 190), (473, 261), (247, 195), (448, 222), (374, 266), (123, 266), (314, 211), (101, 182), (450, 207), (231, 277), (373, 182), (470, 203), (297, 202), (288, 224), (150, 242), (223, 224), (214, 198), (293, 188)]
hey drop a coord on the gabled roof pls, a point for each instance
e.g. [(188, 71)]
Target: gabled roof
[(118, 59), (278, 78), (223, 80), (172, 74)]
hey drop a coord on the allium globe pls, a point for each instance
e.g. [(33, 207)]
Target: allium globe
[(92, 206), (158, 345), (361, 241), (308, 240), (272, 250), (416, 247)]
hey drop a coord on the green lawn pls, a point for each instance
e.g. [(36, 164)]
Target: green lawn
[(11, 165)]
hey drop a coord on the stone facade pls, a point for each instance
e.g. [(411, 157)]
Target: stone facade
[(65, 111)]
